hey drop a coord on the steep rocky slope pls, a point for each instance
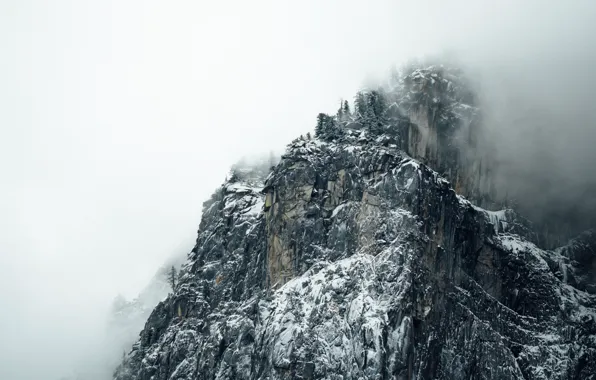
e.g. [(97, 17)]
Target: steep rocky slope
[(123, 323), (354, 259), (127, 317)]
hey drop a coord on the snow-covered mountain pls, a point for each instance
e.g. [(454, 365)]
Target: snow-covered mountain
[(127, 318), (124, 322), (378, 249)]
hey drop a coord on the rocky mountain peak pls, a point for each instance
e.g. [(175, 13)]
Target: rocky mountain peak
[(368, 252)]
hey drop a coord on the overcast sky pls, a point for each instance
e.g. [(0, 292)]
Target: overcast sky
[(119, 118)]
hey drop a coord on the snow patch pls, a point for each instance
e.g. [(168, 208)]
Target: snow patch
[(256, 208), (497, 218), (338, 209), (515, 244)]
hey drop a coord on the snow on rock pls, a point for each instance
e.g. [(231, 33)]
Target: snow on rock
[(499, 219), (354, 259), (516, 245)]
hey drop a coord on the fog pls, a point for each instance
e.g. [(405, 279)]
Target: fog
[(119, 118), (535, 82)]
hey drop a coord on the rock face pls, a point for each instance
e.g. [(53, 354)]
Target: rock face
[(354, 259), (127, 317)]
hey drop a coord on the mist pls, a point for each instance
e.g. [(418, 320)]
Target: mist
[(118, 119), (535, 83)]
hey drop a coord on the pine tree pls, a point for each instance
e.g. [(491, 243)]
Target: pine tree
[(171, 277), (321, 124), (340, 111), (346, 109), (370, 111), (327, 128), (376, 103), (360, 104), (343, 113), (376, 106)]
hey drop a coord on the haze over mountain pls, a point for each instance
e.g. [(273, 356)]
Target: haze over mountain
[(380, 248), (119, 119)]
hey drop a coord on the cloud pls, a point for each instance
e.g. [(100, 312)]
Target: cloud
[(535, 79), (119, 119)]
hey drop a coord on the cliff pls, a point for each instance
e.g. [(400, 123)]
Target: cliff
[(359, 256)]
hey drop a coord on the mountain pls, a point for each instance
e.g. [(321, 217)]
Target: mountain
[(126, 318), (379, 249)]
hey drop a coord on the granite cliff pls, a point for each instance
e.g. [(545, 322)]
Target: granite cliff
[(378, 249)]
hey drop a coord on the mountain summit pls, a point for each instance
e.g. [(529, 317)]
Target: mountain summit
[(380, 248)]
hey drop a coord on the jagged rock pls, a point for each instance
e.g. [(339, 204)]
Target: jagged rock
[(353, 260)]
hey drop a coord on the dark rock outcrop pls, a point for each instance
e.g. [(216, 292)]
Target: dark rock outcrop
[(354, 260)]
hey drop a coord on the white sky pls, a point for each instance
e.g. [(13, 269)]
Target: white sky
[(119, 118)]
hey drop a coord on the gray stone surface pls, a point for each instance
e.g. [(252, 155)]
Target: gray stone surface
[(354, 260)]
